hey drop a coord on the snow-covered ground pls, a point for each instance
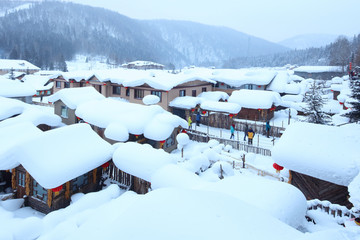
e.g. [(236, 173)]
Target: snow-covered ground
[(185, 203)]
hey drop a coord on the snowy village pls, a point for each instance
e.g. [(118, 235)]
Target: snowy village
[(141, 150)]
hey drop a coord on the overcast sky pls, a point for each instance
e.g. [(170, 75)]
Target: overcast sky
[(274, 20)]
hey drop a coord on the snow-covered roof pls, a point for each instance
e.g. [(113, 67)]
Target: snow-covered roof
[(73, 97), (52, 169), (11, 137), (152, 121), (325, 152), (142, 63), (186, 102), (318, 69), (25, 113), (38, 82), (255, 99), (141, 160), (15, 88), (214, 96), (157, 79), (8, 64), (282, 84), (226, 107)]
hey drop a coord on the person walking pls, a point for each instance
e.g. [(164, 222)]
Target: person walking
[(232, 130), (189, 122), (198, 119), (245, 132), (267, 127), (250, 135)]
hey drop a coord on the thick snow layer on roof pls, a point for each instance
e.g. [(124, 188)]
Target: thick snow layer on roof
[(38, 82), (186, 102), (73, 97), (52, 169), (296, 78), (141, 160), (15, 88), (239, 77), (255, 99), (157, 79), (75, 75), (143, 63), (337, 80), (214, 96), (226, 107), (11, 136), (317, 69), (281, 200), (281, 84), (292, 98), (354, 192), (325, 152), (199, 214), (8, 64), (25, 113), (152, 121)]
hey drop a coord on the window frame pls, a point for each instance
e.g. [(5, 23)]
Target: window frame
[(116, 90), (157, 93), (39, 191), (182, 93), (138, 93), (193, 92), (58, 84), (64, 112), (21, 179), (204, 89)]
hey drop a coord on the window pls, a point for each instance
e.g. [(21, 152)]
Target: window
[(21, 179), (58, 84), (248, 86), (127, 92), (64, 111), (116, 90), (81, 84), (193, 93), (203, 89), (182, 93), (39, 191), (157, 93), (79, 182), (66, 85), (138, 94)]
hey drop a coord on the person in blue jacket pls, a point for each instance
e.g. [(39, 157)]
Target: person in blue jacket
[(198, 119), (232, 130), (268, 127)]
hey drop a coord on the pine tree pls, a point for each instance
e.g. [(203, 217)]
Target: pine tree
[(354, 114), (315, 102)]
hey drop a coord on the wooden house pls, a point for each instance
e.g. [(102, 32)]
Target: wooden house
[(47, 180), (322, 159), (133, 85), (256, 105), (143, 65), (319, 72), (139, 162), (10, 65)]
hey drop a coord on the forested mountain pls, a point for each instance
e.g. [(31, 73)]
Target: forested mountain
[(340, 52), (49, 32)]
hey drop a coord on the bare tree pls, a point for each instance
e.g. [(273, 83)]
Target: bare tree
[(340, 52)]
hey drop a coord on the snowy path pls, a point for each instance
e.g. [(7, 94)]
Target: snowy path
[(259, 140)]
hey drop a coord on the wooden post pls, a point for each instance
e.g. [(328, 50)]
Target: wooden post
[(220, 133), (94, 175), (49, 200), (233, 164), (27, 184), (258, 140), (243, 160), (221, 172), (13, 178), (67, 191)]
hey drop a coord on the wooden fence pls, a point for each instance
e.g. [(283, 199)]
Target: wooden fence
[(203, 137), (336, 210)]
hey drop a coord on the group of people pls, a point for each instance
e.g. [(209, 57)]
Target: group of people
[(249, 132)]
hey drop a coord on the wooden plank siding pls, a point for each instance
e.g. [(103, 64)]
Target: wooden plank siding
[(314, 188)]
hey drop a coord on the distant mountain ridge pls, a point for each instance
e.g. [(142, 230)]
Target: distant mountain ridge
[(308, 41), (52, 31)]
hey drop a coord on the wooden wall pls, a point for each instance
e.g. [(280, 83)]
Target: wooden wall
[(314, 188)]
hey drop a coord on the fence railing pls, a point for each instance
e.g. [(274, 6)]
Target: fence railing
[(203, 137), (335, 210)]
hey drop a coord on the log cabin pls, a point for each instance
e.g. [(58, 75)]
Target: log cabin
[(323, 160), (46, 180)]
